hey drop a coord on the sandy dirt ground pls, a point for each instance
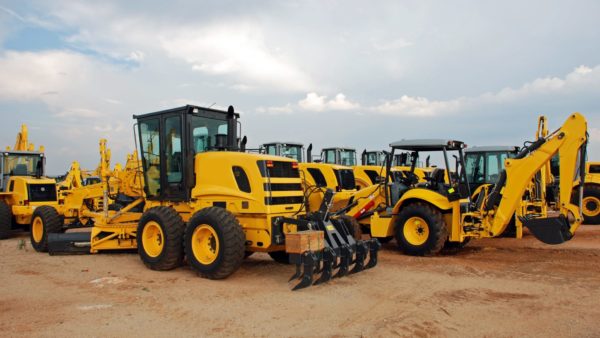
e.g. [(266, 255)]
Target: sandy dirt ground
[(492, 288)]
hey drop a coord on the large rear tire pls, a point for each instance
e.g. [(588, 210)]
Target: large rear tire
[(160, 238), (420, 230), (352, 226), (591, 204), (5, 220), (45, 220), (214, 243)]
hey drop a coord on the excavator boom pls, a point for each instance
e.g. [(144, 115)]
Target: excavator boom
[(569, 142)]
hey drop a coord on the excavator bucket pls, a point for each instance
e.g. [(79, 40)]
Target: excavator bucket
[(550, 230), (342, 253)]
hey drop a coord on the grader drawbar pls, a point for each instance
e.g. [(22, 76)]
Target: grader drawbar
[(341, 254)]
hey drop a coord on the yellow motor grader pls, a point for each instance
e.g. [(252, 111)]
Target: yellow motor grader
[(23, 184), (205, 200), (425, 217)]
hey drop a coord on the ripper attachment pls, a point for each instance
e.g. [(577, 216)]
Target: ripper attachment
[(324, 248)]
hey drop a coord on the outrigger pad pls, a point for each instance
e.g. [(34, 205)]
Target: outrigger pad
[(65, 243), (551, 230)]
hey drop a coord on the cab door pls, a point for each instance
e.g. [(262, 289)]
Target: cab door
[(161, 143)]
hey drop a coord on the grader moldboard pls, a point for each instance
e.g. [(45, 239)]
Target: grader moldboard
[(207, 201)]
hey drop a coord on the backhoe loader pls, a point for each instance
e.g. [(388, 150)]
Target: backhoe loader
[(426, 217), (205, 200), (23, 185)]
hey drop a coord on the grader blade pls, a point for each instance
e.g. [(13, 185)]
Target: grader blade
[(69, 243)]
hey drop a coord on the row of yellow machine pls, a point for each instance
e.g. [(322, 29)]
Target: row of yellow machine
[(192, 192)]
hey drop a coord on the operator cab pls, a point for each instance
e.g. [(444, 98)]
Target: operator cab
[(341, 156), (484, 165), (285, 149), (169, 141), (439, 180), (373, 157), (20, 163)]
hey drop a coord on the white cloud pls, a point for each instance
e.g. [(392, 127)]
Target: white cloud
[(316, 102), (233, 49), (417, 106), (287, 109)]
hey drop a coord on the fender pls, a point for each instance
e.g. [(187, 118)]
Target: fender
[(438, 200)]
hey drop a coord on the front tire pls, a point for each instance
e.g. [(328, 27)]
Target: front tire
[(160, 238), (45, 220), (5, 220), (214, 243), (591, 204), (420, 230)]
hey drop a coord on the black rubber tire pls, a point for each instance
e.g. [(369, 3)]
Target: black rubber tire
[(172, 227), (511, 228), (457, 245), (51, 223), (352, 226), (438, 234), (231, 239), (5, 220), (384, 240), (591, 190), (280, 257)]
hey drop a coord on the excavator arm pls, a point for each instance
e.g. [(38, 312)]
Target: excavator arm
[(569, 142)]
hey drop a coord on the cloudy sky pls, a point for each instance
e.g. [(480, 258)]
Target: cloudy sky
[(347, 73)]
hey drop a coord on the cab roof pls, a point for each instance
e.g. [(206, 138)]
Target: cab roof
[(428, 144), (489, 149), (190, 109)]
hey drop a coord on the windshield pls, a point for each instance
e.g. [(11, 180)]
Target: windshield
[(375, 158), (21, 164), (208, 134), (484, 167), (293, 152), (348, 157)]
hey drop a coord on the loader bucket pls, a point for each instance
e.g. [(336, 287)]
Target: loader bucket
[(69, 243), (550, 230)]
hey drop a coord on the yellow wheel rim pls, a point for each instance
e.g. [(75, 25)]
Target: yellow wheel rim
[(153, 239), (591, 206), (416, 231), (37, 229), (205, 244)]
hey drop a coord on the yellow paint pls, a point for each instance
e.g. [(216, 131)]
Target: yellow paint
[(205, 244)]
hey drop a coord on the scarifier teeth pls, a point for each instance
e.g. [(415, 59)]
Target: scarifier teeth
[(374, 247), (345, 261), (309, 260), (327, 270), (361, 255)]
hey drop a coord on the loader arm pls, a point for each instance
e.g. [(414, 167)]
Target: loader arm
[(569, 142)]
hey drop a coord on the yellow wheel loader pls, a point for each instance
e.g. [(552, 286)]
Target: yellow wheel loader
[(23, 187), (425, 217), (205, 200)]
